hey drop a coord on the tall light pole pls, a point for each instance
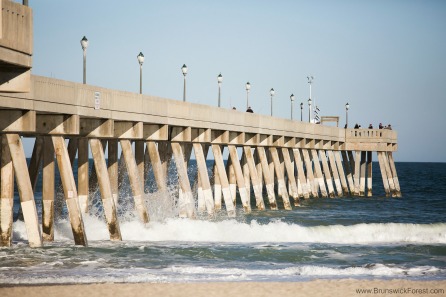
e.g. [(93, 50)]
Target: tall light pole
[(292, 103), (347, 106), (219, 81), (140, 58), (309, 110), (310, 81), (272, 92), (301, 110), (84, 44), (247, 87), (184, 70)]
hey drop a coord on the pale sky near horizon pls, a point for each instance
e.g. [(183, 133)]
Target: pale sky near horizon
[(387, 59)]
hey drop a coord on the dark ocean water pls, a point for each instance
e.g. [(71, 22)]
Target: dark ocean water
[(350, 237)]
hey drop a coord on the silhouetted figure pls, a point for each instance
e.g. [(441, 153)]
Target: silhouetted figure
[(370, 126), (234, 108), (356, 126), (249, 109), (389, 127), (345, 127), (380, 126)]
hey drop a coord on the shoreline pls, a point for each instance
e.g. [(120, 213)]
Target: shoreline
[(341, 287)]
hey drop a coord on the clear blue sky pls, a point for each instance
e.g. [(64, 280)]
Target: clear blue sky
[(386, 58)]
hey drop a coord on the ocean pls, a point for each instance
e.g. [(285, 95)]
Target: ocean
[(325, 238)]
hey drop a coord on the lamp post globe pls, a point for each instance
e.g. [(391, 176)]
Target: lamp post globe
[(292, 103), (301, 110), (140, 58), (272, 92), (247, 88), (184, 71), (309, 110), (219, 81), (347, 106), (84, 44)]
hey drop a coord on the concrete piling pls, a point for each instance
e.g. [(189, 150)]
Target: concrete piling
[(269, 179), (220, 166), (6, 194), (254, 177), (48, 186), (334, 170), (369, 174), (70, 191), (235, 161), (301, 174), (327, 174), (105, 187), (289, 166)]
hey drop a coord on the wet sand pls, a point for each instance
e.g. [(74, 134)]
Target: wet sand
[(319, 288)]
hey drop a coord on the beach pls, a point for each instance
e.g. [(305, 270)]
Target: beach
[(346, 288)]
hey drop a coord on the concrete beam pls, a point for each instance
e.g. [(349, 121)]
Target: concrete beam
[(57, 124), (12, 120)]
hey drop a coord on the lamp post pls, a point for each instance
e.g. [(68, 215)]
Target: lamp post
[(84, 44), (247, 87), (219, 81), (347, 106), (310, 81), (301, 110), (309, 110), (272, 92), (184, 70), (292, 103), (140, 58)]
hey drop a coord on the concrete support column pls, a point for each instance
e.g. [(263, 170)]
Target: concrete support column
[(220, 166), (289, 166), (348, 171), (280, 178), (165, 153), (357, 172), (48, 185), (106, 189), (186, 200), (6, 193), (319, 176), (82, 174), (139, 158), (337, 158), (362, 178), (369, 174), (245, 170), (147, 167), (327, 174), (335, 172), (232, 180), (394, 174), (268, 177), (382, 168), (254, 177), (389, 174), (240, 178), (135, 183), (157, 165), (258, 168), (70, 192), (36, 160), (113, 169), (310, 176), (204, 176), (217, 188), (301, 174)]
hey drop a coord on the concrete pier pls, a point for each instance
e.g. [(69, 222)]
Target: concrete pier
[(272, 158)]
